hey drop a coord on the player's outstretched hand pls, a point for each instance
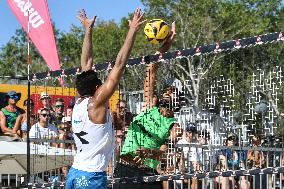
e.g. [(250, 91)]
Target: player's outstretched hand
[(172, 34), (137, 20), (169, 40), (86, 22)]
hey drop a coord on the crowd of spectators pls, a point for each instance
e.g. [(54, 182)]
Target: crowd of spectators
[(53, 121), (50, 121)]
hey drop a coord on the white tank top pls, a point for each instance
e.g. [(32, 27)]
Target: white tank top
[(94, 142)]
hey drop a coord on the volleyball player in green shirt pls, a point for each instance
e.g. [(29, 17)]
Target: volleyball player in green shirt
[(149, 130)]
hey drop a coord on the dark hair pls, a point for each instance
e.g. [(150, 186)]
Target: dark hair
[(190, 127), (59, 100), (175, 103), (86, 83), (44, 109), (121, 100), (26, 102)]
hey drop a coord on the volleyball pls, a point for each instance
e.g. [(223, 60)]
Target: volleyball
[(156, 31)]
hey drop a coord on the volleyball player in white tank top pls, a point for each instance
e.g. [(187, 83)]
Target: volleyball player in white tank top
[(91, 121)]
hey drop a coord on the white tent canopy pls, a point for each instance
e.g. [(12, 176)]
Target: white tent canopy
[(13, 158)]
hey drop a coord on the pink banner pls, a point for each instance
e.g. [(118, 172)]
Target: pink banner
[(41, 31)]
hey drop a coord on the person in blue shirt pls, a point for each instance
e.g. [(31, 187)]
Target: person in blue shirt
[(230, 159)]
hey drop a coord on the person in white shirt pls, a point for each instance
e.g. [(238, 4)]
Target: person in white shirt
[(91, 120), (43, 129), (190, 158)]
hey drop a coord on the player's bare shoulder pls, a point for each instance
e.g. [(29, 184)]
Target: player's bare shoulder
[(97, 112)]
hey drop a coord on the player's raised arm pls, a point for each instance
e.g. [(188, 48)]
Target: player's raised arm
[(87, 49), (150, 80), (110, 85), (150, 99)]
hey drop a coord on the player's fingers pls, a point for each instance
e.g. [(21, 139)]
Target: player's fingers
[(94, 19), (80, 18), (142, 22)]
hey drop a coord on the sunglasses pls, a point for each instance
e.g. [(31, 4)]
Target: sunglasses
[(59, 106), (14, 97), (45, 115), (45, 98), (120, 136), (232, 138)]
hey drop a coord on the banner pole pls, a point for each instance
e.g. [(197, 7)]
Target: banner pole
[(28, 106)]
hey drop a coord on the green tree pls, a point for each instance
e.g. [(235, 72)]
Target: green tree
[(208, 21)]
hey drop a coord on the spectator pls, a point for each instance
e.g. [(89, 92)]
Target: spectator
[(203, 137), (257, 159), (68, 117), (43, 129), (58, 111), (66, 129), (121, 122), (46, 102), (9, 114), (231, 160), (69, 111), (121, 117), (189, 161), (21, 122)]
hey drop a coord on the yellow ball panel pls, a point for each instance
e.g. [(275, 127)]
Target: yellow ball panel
[(163, 33), (156, 31)]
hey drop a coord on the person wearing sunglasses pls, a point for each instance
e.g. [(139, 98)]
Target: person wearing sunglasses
[(9, 114), (121, 117), (58, 114), (43, 129)]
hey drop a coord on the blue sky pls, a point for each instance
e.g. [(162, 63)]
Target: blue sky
[(63, 13)]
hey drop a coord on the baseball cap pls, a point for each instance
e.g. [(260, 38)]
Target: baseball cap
[(13, 95), (44, 95), (190, 127)]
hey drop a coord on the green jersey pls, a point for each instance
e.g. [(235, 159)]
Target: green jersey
[(149, 130)]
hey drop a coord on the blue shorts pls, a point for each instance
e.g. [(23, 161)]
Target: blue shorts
[(77, 179)]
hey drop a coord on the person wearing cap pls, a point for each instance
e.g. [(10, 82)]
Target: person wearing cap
[(9, 114), (46, 102), (190, 158)]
